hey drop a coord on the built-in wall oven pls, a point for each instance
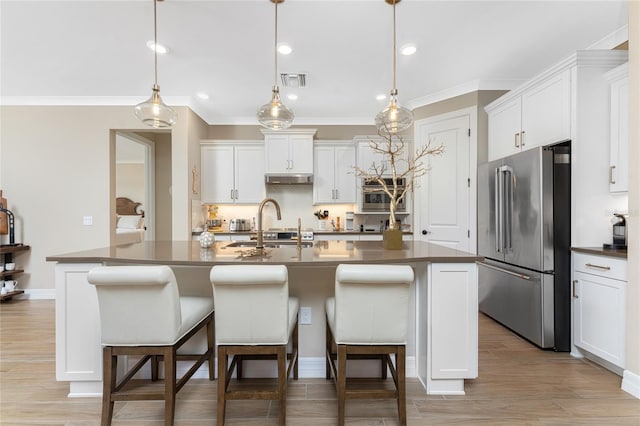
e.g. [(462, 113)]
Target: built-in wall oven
[(374, 199)]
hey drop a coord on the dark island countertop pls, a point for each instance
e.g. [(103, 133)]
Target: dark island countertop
[(318, 254)]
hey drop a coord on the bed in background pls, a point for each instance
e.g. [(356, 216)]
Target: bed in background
[(129, 221)]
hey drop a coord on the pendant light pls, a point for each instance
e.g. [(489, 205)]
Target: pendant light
[(275, 115), (153, 112), (394, 118)]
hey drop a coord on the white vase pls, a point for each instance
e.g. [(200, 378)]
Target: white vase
[(206, 239)]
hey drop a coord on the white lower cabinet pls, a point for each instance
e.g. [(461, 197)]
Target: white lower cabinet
[(447, 327), (599, 306)]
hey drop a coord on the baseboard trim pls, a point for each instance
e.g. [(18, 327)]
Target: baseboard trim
[(631, 383), (38, 294)]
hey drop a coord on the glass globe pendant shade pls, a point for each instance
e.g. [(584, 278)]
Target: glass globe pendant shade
[(394, 118), (275, 115), (155, 113)]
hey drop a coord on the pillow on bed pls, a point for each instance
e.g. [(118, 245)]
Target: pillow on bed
[(129, 221)]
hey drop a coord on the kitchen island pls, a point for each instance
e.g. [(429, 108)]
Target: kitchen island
[(442, 350)]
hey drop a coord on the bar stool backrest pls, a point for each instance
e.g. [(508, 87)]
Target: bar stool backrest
[(372, 304), (139, 305), (251, 304)]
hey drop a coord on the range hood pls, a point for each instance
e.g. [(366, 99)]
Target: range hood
[(289, 179)]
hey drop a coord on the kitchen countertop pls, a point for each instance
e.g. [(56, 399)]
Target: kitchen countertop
[(599, 251), (322, 252)]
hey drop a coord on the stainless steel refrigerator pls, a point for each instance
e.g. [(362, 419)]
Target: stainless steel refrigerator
[(524, 234)]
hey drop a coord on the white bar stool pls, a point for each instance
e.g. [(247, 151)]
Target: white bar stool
[(142, 314), (368, 318), (255, 319)]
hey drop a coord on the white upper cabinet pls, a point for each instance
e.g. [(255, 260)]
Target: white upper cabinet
[(289, 151), (618, 79), (571, 100), (367, 156), (536, 116), (334, 179), (232, 173)]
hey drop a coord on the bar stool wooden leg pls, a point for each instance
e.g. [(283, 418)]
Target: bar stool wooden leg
[(211, 345), (169, 385), (342, 382), (154, 368), (222, 383), (294, 342), (109, 369), (401, 384), (328, 340), (282, 382)]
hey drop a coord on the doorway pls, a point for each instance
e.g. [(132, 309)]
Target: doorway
[(445, 197), (135, 175)]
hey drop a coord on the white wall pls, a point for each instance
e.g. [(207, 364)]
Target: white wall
[(55, 169)]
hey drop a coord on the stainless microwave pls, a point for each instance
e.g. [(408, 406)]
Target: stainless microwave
[(374, 199)]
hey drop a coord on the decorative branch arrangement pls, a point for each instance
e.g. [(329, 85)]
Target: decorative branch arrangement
[(392, 147)]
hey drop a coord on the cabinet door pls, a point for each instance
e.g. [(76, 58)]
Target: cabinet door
[(249, 173), (345, 177), (619, 162), (367, 157), (599, 316), (323, 176), (300, 154), (276, 154), (546, 112), (504, 129), (217, 174), (453, 305)]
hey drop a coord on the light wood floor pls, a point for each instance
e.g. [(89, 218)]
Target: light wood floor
[(518, 385)]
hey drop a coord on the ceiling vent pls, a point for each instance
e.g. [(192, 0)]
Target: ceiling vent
[(291, 79)]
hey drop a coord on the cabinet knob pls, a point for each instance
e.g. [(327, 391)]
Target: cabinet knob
[(425, 232)]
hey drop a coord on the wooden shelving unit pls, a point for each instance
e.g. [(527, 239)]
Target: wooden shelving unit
[(8, 256)]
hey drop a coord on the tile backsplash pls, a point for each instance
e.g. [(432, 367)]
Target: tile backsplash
[(296, 201)]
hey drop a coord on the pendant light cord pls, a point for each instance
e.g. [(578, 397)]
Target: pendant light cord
[(155, 43), (275, 49), (394, 46)]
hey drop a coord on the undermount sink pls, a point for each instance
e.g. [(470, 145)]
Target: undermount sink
[(269, 244)]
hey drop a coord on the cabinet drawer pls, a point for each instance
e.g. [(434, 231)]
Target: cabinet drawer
[(603, 266)]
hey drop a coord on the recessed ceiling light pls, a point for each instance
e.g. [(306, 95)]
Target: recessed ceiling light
[(160, 48), (381, 97), (292, 96), (284, 48), (408, 49), (203, 96)]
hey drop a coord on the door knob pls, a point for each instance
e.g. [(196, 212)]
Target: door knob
[(425, 232)]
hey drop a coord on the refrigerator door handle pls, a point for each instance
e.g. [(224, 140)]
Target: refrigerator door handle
[(510, 184), (498, 217), (506, 271)]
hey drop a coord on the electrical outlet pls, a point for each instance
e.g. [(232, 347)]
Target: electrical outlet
[(305, 315), (87, 220)]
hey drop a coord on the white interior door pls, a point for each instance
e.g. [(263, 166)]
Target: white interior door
[(446, 194)]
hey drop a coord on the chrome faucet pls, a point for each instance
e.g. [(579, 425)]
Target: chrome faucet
[(260, 242)]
